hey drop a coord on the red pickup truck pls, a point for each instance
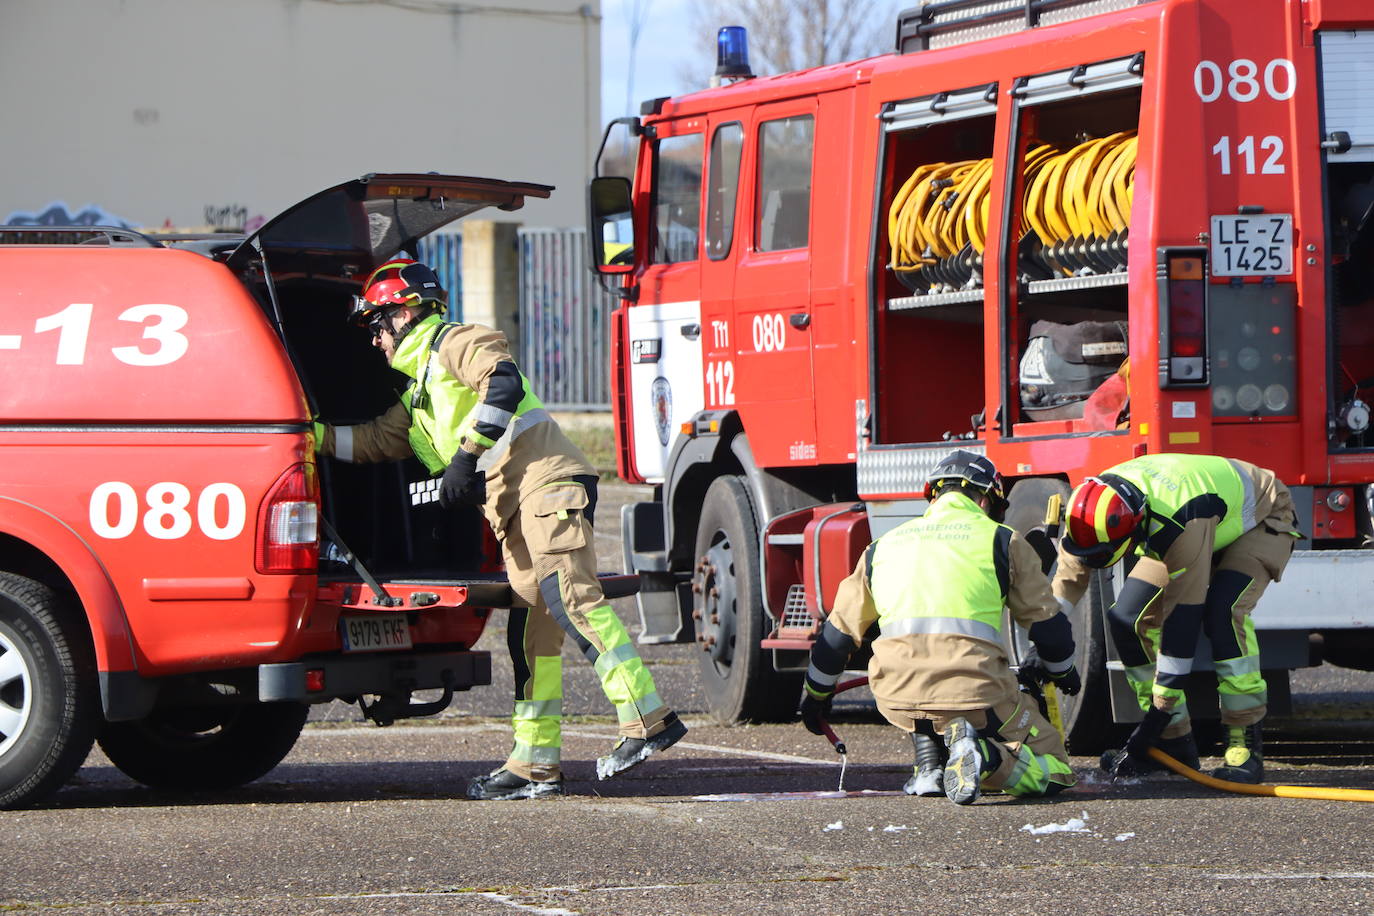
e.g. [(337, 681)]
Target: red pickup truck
[(179, 578)]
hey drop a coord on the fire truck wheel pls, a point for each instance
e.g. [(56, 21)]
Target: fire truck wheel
[(738, 676), (49, 699), (204, 747), (1087, 717)]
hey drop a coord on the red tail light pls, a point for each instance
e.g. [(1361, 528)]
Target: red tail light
[(288, 524), (1183, 314)]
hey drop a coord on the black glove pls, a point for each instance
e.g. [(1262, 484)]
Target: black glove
[(1146, 734), (463, 484), (814, 711), (1067, 682)]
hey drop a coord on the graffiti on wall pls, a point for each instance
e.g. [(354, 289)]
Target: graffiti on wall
[(57, 214)]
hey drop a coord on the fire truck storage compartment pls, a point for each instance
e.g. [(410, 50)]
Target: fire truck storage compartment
[(1348, 130), (936, 161), (388, 512), (1077, 130)]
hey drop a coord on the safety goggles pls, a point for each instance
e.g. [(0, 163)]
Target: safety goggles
[(378, 322)]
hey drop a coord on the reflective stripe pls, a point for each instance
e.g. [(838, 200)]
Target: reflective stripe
[(613, 657), (518, 425), (528, 753), (1171, 664), (537, 709), (817, 676), (486, 413), (630, 712), (1058, 667), (1025, 757), (1066, 607), (1239, 702), (343, 443), (1247, 507), (1237, 667), (956, 626)]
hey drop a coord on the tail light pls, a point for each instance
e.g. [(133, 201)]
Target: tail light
[(288, 524), (1183, 318)]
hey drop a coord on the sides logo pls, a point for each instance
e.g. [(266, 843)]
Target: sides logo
[(661, 394)]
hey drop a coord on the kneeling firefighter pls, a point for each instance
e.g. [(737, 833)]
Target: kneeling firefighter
[(1181, 516), (935, 587), (470, 415)]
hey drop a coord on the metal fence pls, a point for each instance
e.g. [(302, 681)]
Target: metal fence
[(564, 321), (443, 252)]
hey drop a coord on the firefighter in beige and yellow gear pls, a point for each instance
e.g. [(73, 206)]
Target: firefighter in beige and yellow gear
[(1207, 535), (470, 414), (935, 587)]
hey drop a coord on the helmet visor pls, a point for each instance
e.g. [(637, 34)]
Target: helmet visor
[(1098, 556)]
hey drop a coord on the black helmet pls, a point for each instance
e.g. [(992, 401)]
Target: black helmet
[(972, 470)]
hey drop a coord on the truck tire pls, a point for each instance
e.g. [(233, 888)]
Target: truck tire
[(49, 699), (737, 675), (1088, 724), (1087, 717), (204, 747)]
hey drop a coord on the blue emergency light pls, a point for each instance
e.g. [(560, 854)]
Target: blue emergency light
[(732, 53)]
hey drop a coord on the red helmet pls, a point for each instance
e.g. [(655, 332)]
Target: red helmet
[(1105, 518), (398, 282)]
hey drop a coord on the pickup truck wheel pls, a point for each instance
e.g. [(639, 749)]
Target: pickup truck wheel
[(738, 676), (204, 747), (49, 701)]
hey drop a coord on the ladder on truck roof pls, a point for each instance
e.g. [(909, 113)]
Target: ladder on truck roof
[(945, 23)]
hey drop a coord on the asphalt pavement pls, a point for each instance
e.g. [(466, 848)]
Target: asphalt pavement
[(363, 820)]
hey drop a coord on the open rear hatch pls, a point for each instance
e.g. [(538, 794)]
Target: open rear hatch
[(304, 266)]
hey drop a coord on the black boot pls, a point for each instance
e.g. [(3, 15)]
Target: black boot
[(1182, 748), (503, 785), (1244, 759), (928, 775), (631, 751)]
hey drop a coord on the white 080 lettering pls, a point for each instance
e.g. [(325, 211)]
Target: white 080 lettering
[(114, 511), (770, 333), (1242, 80)]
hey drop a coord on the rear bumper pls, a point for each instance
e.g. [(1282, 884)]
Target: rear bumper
[(374, 673)]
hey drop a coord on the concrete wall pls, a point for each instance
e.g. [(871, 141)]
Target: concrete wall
[(195, 112)]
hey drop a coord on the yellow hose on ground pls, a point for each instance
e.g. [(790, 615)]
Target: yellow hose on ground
[(1355, 795)]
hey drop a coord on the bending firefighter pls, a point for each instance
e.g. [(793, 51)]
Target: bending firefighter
[(935, 588), (1183, 515), (470, 414)]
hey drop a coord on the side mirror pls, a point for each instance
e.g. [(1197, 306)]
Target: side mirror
[(610, 225)]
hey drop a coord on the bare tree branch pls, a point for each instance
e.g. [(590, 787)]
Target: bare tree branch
[(786, 35)]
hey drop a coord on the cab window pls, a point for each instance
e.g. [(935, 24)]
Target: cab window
[(677, 207), (784, 203), (723, 174)]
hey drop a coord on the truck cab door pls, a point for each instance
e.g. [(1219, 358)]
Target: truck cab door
[(664, 327), (772, 296)]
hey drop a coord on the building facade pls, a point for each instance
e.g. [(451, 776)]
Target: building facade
[(194, 113)]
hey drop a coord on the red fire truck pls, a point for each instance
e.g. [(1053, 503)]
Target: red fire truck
[(1062, 234)]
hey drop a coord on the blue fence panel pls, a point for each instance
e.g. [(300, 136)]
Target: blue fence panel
[(443, 252), (564, 321)]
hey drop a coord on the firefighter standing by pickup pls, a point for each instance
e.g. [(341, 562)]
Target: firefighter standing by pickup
[(470, 415), (1183, 515), (936, 587)]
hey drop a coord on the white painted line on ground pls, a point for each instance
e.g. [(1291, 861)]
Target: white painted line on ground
[(575, 731), (1297, 876)]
